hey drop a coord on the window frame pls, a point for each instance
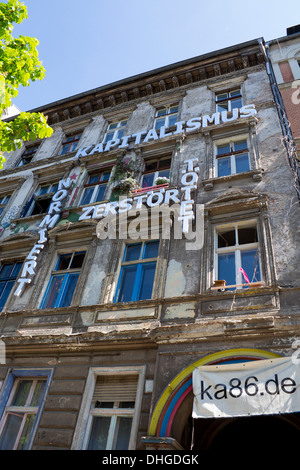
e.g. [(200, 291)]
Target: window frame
[(117, 132), (4, 200), (140, 262), (70, 145), (248, 223), (229, 99), (28, 154), (231, 141), (96, 185), (7, 393), (67, 274), (167, 116), (156, 172), (8, 279), (84, 422), (38, 196)]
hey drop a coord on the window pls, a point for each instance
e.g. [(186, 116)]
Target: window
[(95, 187), (70, 143), (3, 202), (112, 411), (22, 410), (232, 157), (115, 131), (229, 101), (63, 281), (41, 199), (166, 116), (154, 169), (111, 406), (28, 154), (237, 259), (137, 272), (8, 274)]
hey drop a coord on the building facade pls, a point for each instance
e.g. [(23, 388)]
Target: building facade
[(284, 54), (153, 233)]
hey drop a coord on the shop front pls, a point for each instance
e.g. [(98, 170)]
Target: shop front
[(199, 410)]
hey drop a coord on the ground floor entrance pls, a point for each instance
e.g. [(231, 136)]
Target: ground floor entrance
[(173, 418), (237, 433)]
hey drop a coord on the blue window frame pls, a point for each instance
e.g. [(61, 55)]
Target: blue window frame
[(21, 403), (63, 281), (137, 272), (8, 274), (3, 203)]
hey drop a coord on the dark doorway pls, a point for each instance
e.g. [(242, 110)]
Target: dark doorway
[(223, 434)]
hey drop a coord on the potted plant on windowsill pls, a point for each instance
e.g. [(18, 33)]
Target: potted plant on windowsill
[(125, 186), (161, 180)]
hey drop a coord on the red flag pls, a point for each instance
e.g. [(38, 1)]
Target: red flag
[(245, 275)]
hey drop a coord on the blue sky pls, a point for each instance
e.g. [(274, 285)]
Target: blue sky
[(89, 43)]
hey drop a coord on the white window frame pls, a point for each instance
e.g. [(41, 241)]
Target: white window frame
[(96, 185), (237, 249), (120, 127), (230, 141), (166, 116), (85, 418), (229, 98)]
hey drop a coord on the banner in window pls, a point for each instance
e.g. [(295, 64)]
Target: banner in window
[(246, 389)]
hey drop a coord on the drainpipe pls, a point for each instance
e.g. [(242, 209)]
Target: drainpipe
[(285, 126)]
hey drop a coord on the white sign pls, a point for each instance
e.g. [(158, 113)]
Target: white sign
[(49, 221), (155, 198), (180, 127), (246, 389)]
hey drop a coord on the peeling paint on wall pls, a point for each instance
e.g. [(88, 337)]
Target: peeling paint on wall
[(175, 282)]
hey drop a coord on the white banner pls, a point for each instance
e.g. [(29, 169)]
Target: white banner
[(245, 389)]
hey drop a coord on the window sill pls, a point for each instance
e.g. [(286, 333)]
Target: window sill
[(255, 174), (221, 287), (159, 187), (28, 218)]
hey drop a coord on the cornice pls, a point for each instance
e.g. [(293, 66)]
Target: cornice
[(158, 83)]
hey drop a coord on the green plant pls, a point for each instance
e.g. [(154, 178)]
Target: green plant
[(126, 185), (123, 169), (161, 180)]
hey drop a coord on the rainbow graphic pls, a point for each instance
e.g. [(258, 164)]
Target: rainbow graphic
[(174, 394)]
